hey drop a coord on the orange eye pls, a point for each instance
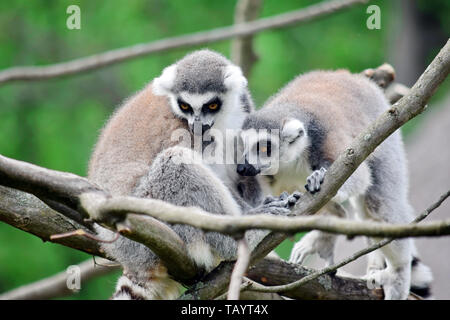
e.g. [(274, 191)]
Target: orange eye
[(184, 106), (213, 106)]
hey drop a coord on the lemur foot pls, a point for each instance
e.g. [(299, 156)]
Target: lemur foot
[(395, 287), (314, 181), (279, 205), (314, 242)]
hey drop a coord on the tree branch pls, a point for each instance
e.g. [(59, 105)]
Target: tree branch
[(240, 267), (325, 287), (242, 51), (56, 285), (66, 188), (25, 212), (119, 55)]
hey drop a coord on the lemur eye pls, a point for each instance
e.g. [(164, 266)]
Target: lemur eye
[(266, 149), (212, 106), (183, 105)]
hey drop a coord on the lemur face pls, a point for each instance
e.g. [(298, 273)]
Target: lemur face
[(204, 90), (261, 152), (199, 110), (267, 151)]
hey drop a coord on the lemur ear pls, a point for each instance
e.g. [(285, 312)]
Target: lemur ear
[(164, 83), (233, 78), (292, 129)]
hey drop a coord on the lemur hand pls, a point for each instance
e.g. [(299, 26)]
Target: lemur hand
[(278, 205), (314, 181)]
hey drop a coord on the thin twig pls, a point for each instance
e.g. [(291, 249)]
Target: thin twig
[(81, 232), (240, 267)]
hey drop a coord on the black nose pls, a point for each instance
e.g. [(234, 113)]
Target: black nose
[(240, 169), (247, 170)]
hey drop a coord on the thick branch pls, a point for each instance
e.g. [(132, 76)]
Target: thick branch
[(277, 272), (101, 209), (115, 56), (67, 188), (25, 212)]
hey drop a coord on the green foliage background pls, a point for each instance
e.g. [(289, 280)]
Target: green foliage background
[(55, 123)]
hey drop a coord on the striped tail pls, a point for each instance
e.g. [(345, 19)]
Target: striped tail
[(161, 288), (421, 279)]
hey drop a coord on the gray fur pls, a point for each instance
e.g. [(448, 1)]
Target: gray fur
[(206, 67)]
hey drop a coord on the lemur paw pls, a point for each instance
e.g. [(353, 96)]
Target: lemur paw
[(282, 204), (311, 243), (394, 286), (314, 181)]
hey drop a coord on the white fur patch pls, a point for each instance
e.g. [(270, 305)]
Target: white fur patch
[(156, 289), (292, 128), (233, 78), (201, 253), (163, 84)]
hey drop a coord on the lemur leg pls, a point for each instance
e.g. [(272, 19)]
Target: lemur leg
[(319, 242), (394, 276), (140, 265), (375, 259)]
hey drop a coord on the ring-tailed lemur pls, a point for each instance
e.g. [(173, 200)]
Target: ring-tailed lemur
[(135, 155), (317, 116)]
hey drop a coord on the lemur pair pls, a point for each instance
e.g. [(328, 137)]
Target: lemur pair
[(317, 115)]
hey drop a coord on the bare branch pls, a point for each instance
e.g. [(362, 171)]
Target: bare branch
[(67, 188), (102, 209), (243, 259), (119, 55), (242, 51), (25, 212), (56, 286)]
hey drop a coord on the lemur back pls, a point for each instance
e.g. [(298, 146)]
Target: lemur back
[(132, 138)]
